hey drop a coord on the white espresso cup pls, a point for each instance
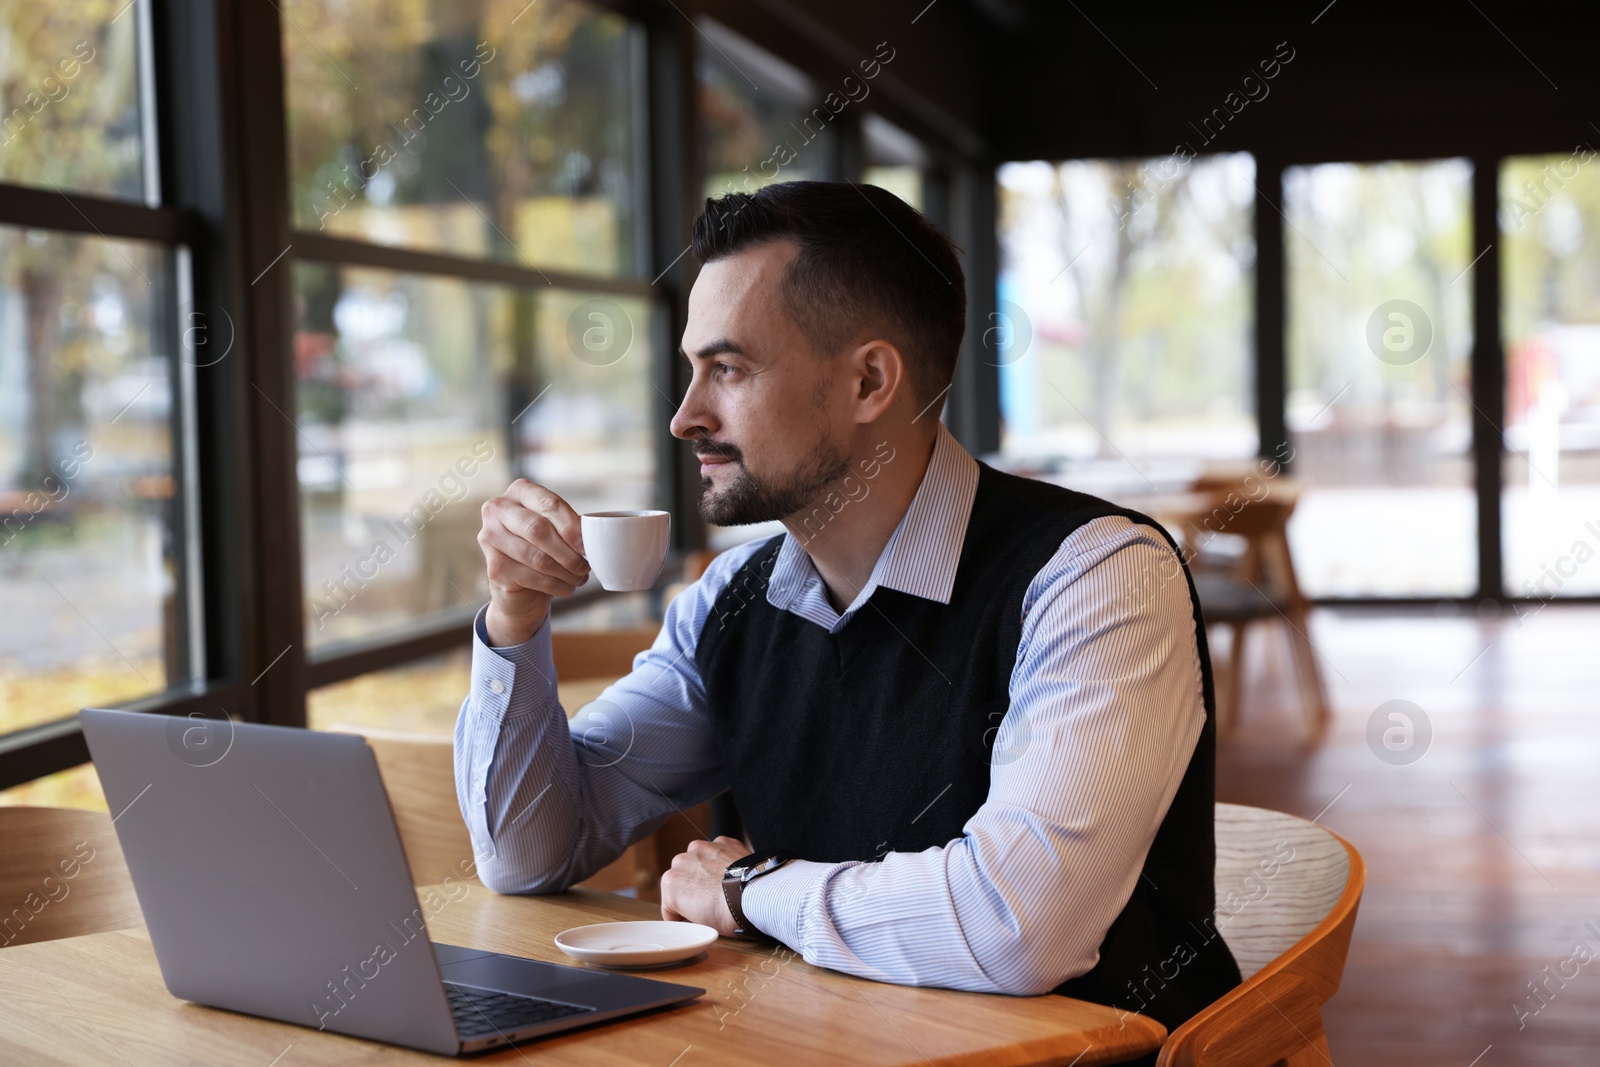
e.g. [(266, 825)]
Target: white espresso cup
[(626, 549)]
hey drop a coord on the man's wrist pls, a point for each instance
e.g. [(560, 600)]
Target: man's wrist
[(514, 680), (776, 903), (743, 873), (508, 631)]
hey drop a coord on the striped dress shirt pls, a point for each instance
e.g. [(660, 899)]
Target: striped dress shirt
[(1106, 709)]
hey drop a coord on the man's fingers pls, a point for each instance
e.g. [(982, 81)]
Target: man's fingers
[(553, 510), (528, 557), (508, 513), (509, 573)]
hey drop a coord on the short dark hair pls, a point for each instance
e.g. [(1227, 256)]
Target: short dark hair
[(867, 261)]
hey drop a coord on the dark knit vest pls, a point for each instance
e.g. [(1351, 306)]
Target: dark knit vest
[(878, 738)]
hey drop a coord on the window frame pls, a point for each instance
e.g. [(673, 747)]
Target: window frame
[(184, 220), (1486, 362)]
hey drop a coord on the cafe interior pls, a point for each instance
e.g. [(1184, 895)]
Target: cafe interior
[(289, 289)]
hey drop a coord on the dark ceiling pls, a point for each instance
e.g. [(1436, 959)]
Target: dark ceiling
[(1058, 79), (1366, 80)]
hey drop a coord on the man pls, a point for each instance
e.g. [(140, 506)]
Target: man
[(975, 709)]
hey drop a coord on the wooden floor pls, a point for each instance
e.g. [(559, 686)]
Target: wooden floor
[(1483, 856)]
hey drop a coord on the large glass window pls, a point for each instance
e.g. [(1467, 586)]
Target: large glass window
[(764, 121), (422, 697), (1550, 227), (71, 87), (421, 397), (1379, 340), (87, 476), (487, 128), (896, 161), (1124, 330)]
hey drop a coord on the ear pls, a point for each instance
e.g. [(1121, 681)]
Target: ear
[(878, 372)]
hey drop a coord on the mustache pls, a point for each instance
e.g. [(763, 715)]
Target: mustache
[(720, 450)]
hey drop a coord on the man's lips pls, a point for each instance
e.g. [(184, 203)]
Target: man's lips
[(716, 457)]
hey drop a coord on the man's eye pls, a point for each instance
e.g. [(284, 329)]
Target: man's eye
[(723, 370)]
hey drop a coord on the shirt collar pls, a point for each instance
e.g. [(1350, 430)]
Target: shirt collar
[(921, 555)]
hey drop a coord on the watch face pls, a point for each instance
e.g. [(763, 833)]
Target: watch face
[(756, 863), (739, 868)]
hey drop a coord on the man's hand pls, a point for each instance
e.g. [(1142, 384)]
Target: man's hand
[(692, 889), (532, 544)]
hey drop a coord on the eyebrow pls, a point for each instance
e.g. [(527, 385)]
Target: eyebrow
[(719, 347)]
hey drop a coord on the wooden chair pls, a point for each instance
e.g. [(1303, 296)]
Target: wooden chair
[(584, 655), (694, 566), (1287, 895), (587, 661), (1255, 584), (62, 874), (419, 773)]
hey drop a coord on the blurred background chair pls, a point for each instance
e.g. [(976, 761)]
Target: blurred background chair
[(1287, 896), (62, 874), (1236, 534)]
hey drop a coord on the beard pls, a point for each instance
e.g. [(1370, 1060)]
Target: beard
[(747, 499)]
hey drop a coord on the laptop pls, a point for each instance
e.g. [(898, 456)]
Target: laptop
[(272, 880)]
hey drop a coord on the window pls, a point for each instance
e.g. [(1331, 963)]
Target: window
[(1550, 226), (422, 397), (78, 112), (1124, 327), (96, 381), (78, 787), (87, 470), (421, 697), (896, 161), (764, 120), (467, 194), (485, 129), (1379, 409)]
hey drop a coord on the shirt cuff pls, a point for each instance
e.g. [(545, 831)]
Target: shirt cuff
[(495, 671), (774, 902)]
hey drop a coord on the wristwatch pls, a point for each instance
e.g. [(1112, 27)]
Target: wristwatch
[(742, 871)]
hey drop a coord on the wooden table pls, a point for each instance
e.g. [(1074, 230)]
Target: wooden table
[(99, 1000)]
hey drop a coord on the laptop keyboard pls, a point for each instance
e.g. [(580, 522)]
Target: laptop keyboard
[(480, 1012)]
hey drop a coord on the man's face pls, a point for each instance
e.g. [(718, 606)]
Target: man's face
[(762, 412)]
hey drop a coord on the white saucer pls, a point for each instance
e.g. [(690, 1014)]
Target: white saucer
[(635, 944)]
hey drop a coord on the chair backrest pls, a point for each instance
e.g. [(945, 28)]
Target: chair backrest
[(696, 562), (1262, 524), (599, 653), (1277, 878), (1287, 895), (61, 874), (419, 775)]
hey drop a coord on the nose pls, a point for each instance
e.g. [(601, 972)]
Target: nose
[(694, 419)]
